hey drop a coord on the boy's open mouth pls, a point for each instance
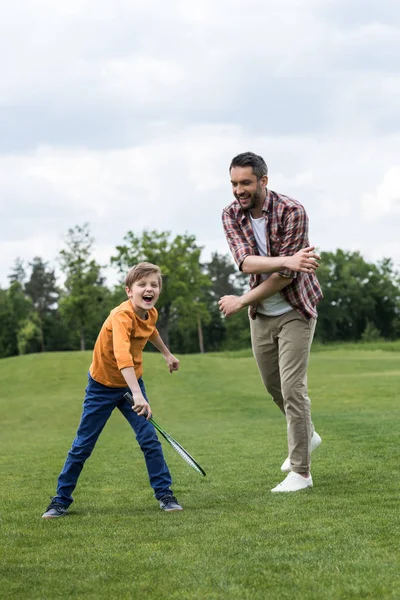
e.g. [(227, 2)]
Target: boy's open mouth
[(147, 298)]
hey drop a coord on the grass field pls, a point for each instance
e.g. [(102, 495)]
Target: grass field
[(234, 540)]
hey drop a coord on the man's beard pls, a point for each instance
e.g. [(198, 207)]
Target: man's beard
[(255, 198)]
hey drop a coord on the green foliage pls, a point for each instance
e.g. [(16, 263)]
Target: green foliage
[(18, 273), (42, 287), (361, 303), (355, 293), (21, 305), (43, 292), (8, 332), (237, 332), (30, 337), (234, 540), (225, 277), (371, 333), (217, 332), (83, 304), (178, 257), (21, 310)]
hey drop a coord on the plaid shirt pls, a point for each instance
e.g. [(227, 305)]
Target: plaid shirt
[(287, 233)]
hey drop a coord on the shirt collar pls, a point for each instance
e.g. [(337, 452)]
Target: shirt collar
[(267, 201)]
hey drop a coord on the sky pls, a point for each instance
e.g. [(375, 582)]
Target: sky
[(126, 114)]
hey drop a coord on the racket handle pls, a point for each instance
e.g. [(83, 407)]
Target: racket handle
[(128, 396)]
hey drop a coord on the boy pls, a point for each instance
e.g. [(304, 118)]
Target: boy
[(117, 367)]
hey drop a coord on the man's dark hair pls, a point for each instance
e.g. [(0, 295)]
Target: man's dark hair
[(249, 159)]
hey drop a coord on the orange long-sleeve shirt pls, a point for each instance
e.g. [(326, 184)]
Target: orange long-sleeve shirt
[(120, 344)]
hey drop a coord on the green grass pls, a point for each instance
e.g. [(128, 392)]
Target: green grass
[(234, 540)]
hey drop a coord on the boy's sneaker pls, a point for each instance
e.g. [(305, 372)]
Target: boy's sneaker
[(316, 441), (169, 503), (293, 483), (55, 509)]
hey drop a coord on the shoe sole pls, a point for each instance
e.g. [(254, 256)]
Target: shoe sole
[(53, 516), (291, 491), (172, 509)]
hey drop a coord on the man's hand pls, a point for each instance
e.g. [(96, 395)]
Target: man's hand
[(305, 260), (230, 305), (141, 406), (172, 362)]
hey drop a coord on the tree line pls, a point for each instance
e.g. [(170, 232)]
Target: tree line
[(37, 313)]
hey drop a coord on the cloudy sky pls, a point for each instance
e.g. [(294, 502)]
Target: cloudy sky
[(126, 113)]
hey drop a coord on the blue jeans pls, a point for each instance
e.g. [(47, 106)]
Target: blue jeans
[(98, 405)]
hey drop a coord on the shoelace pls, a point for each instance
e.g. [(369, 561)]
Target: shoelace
[(57, 506), (168, 499), (291, 476)]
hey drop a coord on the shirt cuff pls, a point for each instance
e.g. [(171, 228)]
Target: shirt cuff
[(288, 273), (125, 365), (240, 259), (154, 335)]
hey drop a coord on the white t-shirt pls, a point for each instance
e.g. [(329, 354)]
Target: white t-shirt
[(275, 305)]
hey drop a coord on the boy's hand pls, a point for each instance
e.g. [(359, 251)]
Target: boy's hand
[(172, 362), (141, 406), (304, 261)]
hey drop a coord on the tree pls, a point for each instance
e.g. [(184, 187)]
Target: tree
[(218, 332), (30, 335), (357, 296), (42, 290), (233, 333), (18, 273), (181, 301), (83, 303), (8, 332), (224, 276), (21, 310), (15, 309)]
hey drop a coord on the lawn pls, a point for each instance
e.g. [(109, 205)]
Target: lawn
[(234, 540)]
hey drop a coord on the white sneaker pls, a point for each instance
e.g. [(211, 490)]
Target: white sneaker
[(315, 442), (293, 483)]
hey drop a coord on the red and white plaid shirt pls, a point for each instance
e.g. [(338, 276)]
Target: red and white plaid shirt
[(287, 232)]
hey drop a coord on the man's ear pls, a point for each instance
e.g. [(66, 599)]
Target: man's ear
[(264, 181)]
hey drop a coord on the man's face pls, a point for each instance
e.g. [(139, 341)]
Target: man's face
[(247, 189), (144, 293)]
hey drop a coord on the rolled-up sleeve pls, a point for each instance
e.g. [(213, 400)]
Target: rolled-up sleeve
[(154, 334), (295, 236), (237, 243), (121, 331)]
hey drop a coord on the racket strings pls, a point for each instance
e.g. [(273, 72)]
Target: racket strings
[(177, 447), (184, 455)]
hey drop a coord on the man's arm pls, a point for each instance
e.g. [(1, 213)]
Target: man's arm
[(171, 360), (301, 259), (231, 305), (242, 251), (304, 261)]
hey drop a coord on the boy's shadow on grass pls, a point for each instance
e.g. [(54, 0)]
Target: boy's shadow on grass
[(118, 511)]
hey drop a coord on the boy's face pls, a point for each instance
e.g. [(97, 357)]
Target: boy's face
[(144, 294)]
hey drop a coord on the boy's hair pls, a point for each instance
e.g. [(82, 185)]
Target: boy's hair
[(141, 270), (249, 159)]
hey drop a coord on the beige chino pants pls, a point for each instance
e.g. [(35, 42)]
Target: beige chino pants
[(281, 346)]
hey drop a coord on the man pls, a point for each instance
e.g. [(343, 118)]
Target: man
[(267, 234)]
